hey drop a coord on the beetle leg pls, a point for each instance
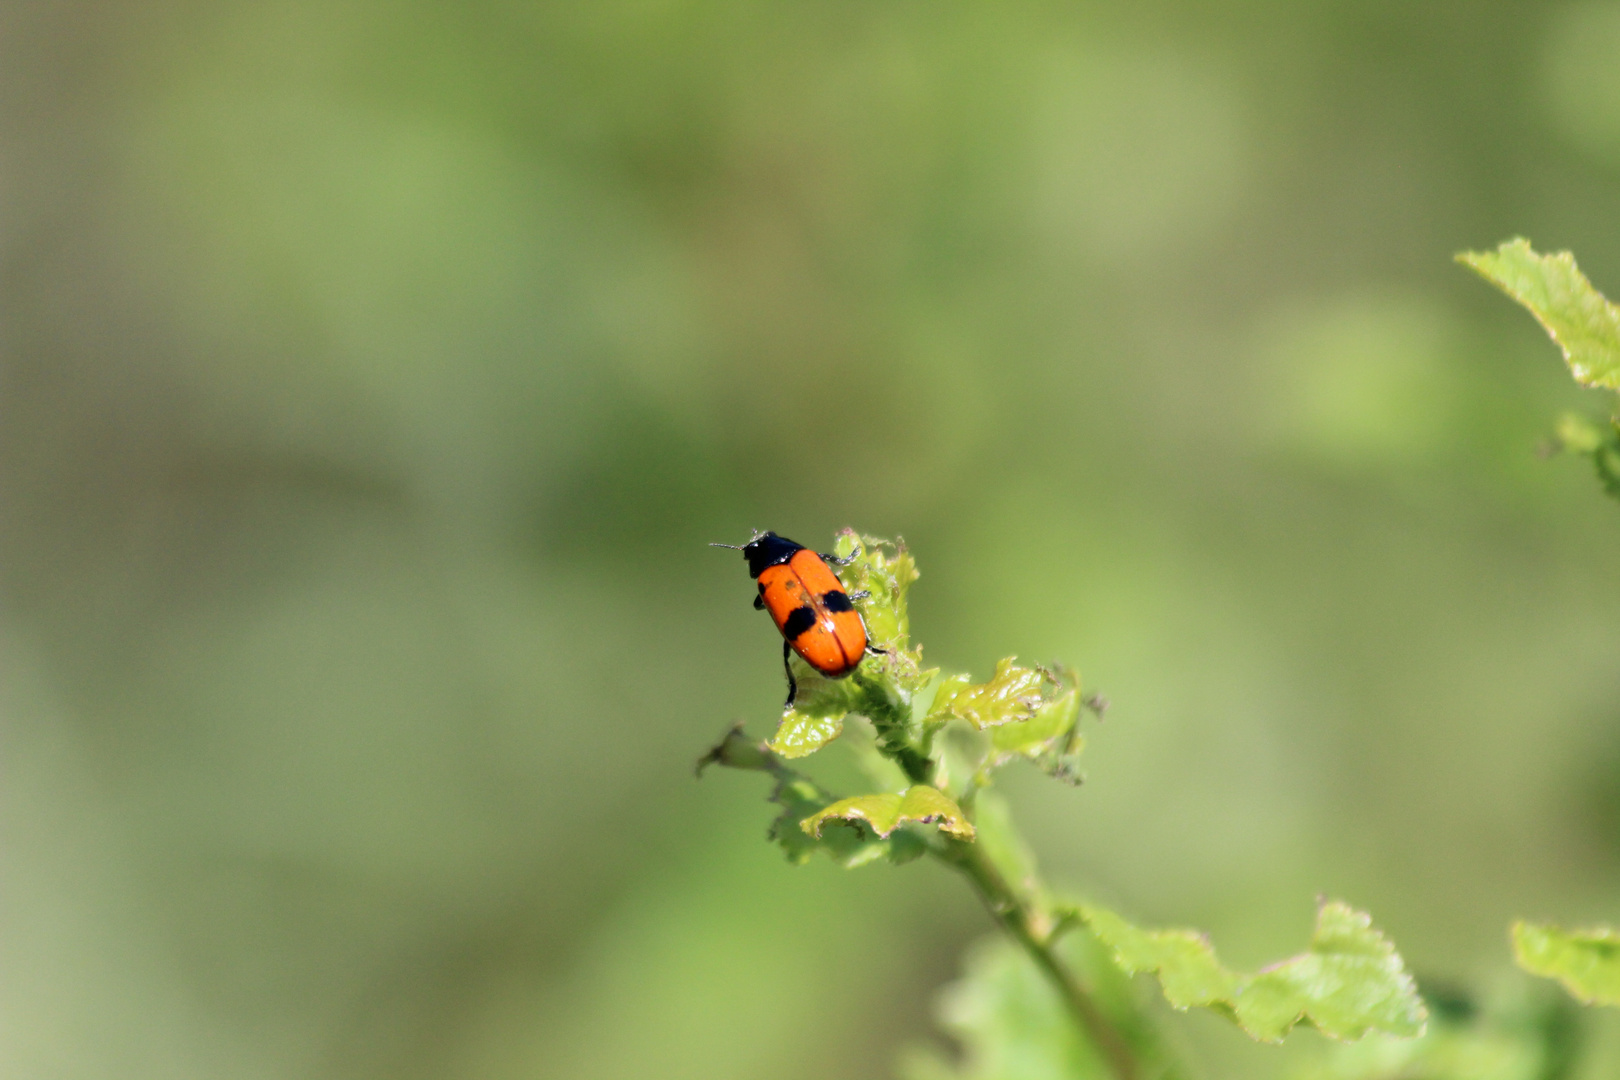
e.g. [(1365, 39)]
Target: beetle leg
[(827, 556), (864, 594), (871, 648), (787, 666)]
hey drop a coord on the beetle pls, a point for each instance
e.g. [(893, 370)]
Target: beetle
[(808, 603)]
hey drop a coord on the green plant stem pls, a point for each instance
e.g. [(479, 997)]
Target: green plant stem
[(1033, 927), (891, 719), (1023, 918), (917, 767)]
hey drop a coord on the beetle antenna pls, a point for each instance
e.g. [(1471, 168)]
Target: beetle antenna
[(739, 547)]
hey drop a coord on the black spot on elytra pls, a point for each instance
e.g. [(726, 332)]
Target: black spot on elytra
[(798, 621), (836, 600)]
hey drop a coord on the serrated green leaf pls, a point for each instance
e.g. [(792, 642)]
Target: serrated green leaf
[(1051, 738), (944, 692), (1026, 714), (1183, 959), (1054, 719), (801, 734), (1349, 982), (883, 813), (1584, 324), (1586, 961), (1012, 693)]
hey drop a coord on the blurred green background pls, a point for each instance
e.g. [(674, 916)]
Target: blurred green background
[(374, 375)]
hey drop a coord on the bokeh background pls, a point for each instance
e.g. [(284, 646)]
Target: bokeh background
[(374, 375)]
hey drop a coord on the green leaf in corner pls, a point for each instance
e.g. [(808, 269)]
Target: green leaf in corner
[(885, 813), (1584, 324), (1587, 961), (1349, 982)]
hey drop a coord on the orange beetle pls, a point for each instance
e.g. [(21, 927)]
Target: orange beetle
[(817, 617)]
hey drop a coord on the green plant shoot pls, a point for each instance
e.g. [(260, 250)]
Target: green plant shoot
[(939, 768)]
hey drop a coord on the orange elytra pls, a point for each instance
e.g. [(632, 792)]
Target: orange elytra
[(808, 603)]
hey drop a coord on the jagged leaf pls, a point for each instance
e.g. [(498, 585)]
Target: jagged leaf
[(1349, 982), (883, 813), (1051, 738), (803, 733), (944, 692), (1183, 959), (1013, 693), (1586, 961), (1584, 324), (1054, 719), (1026, 714)]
